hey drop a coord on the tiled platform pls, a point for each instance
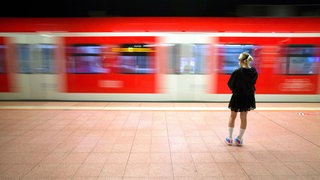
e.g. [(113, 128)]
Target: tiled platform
[(156, 141)]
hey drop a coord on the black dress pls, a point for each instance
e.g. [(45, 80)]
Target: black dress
[(242, 84)]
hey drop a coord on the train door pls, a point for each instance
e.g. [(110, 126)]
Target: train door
[(187, 66), (36, 72), (4, 75)]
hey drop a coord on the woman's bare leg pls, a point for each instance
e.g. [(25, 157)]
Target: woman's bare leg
[(243, 124), (232, 119), (243, 118)]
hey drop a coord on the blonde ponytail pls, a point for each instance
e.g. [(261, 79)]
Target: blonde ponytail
[(250, 58), (245, 57)]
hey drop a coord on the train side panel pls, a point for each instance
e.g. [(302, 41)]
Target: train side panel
[(286, 65), (110, 65)]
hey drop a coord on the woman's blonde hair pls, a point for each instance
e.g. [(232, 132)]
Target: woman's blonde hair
[(245, 57)]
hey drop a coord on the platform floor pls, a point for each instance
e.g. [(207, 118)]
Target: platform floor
[(156, 141)]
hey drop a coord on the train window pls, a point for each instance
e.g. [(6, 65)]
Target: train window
[(47, 58), (136, 59), (24, 58), (229, 56), (299, 60), (85, 58), (2, 59), (36, 58), (187, 58)]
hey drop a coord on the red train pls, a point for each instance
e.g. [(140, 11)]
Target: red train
[(156, 58)]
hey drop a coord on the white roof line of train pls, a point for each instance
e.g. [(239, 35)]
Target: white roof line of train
[(209, 34)]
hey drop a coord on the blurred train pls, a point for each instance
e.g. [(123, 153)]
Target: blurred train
[(157, 58)]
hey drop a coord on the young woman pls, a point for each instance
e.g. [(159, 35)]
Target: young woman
[(242, 84)]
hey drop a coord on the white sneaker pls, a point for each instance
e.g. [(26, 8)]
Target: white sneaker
[(228, 141), (238, 141)]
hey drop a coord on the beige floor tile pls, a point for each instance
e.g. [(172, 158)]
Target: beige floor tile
[(184, 170), (136, 158), (140, 170), (160, 170), (302, 168), (278, 168), (76, 157), (181, 157), (117, 157), (16, 171), (160, 158), (202, 157), (94, 157), (65, 170), (255, 169), (223, 157), (89, 170), (244, 156), (42, 171), (231, 169), (208, 169), (111, 170)]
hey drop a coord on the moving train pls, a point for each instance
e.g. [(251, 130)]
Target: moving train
[(157, 58)]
